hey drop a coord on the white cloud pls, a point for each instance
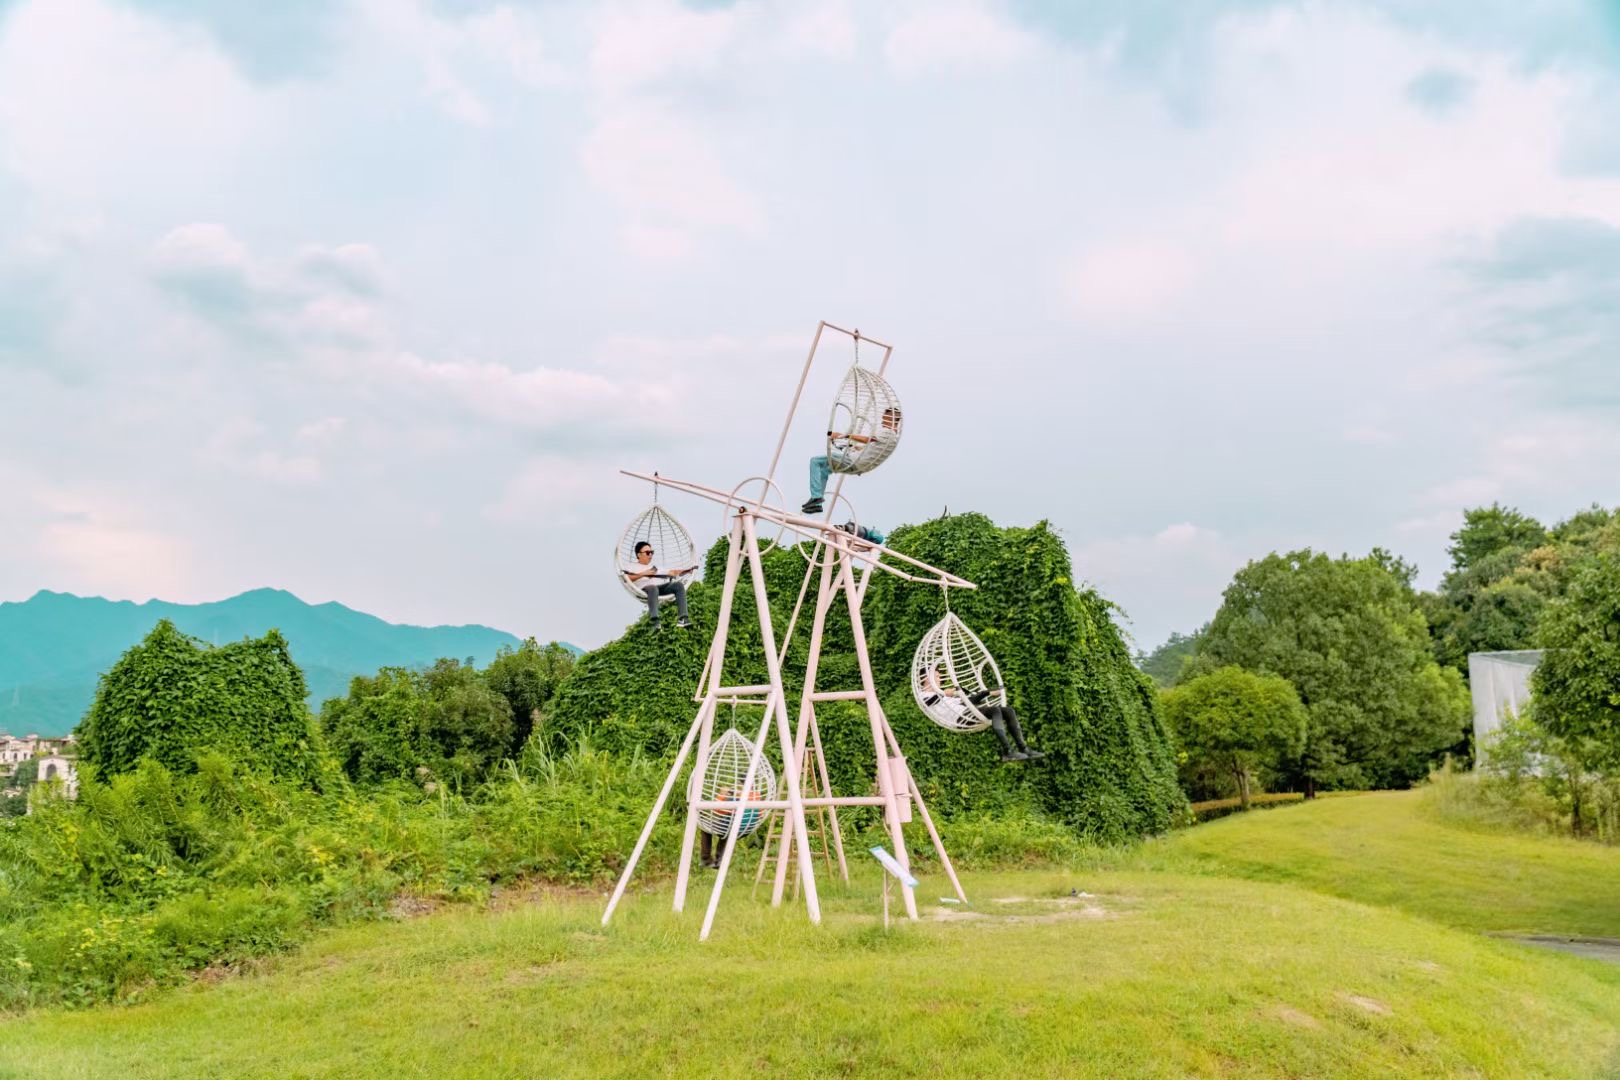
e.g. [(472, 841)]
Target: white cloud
[(955, 36), (662, 166), (645, 41), (1125, 282)]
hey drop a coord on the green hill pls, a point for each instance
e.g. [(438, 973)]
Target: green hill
[(54, 646)]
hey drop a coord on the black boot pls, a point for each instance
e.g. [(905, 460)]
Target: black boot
[(1017, 732), (812, 507), (999, 730)]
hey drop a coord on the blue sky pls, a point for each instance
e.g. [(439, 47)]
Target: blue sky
[(370, 300)]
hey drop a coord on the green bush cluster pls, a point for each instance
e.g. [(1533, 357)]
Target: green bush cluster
[(154, 873), (171, 696), (1109, 773)]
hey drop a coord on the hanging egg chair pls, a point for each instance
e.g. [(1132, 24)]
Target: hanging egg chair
[(865, 424), (722, 777), (672, 548), (953, 677)]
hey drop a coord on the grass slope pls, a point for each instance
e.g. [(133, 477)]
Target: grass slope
[(1157, 973), (1384, 849)]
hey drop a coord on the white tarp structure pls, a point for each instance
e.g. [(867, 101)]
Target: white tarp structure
[(1500, 682)]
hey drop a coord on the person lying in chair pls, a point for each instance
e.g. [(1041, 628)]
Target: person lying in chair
[(1003, 719)]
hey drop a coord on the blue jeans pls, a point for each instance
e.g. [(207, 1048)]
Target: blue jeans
[(821, 468)]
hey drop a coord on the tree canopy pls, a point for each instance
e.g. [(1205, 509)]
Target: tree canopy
[(1576, 687), (446, 720), (1347, 633), (1163, 665), (1506, 570), (1237, 724)]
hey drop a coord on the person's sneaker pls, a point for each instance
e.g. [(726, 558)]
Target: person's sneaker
[(684, 623), (1031, 755), (656, 625), (1015, 756), (812, 507)]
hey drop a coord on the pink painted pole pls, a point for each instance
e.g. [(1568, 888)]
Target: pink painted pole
[(928, 819), (807, 711), (717, 655), (875, 714), (658, 808)]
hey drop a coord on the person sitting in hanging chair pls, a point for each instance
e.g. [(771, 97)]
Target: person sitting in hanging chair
[(714, 847), (1003, 719), (845, 450), (657, 584)]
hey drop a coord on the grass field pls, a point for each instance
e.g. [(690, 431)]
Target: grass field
[(1176, 964)]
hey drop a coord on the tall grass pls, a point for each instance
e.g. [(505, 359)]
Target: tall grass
[(152, 874)]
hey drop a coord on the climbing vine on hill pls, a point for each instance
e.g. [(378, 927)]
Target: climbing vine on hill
[(1109, 771), (171, 697)]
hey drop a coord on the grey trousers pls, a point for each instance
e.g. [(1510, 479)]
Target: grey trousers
[(653, 592)]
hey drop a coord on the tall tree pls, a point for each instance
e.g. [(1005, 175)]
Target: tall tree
[(527, 677), (1237, 723), (1163, 664), (1577, 684), (1491, 530), (1349, 636)]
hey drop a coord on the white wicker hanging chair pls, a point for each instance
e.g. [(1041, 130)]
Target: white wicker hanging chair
[(672, 547), (867, 407), (962, 667), (721, 778)]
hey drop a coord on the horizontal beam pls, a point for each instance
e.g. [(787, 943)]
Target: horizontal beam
[(783, 804), (814, 529), (857, 334), (838, 695), (733, 691)]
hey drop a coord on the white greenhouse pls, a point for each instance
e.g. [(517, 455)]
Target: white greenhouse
[(1500, 682)]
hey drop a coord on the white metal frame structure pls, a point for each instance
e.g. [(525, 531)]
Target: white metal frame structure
[(845, 569)]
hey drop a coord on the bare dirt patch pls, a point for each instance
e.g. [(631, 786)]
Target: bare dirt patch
[(524, 893), (1049, 909), (405, 906), (1365, 1004), (1287, 1014)]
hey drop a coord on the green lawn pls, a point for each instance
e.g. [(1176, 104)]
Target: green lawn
[(1384, 849), (1159, 972)]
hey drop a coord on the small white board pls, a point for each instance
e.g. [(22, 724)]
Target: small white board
[(893, 866)]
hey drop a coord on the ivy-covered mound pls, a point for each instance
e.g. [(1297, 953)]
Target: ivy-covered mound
[(171, 697), (1109, 771)]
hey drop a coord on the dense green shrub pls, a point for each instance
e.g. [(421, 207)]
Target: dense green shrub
[(1109, 771), (171, 697), (442, 723), (153, 873), (528, 677)]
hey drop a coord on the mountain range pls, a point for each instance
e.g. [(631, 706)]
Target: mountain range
[(54, 646)]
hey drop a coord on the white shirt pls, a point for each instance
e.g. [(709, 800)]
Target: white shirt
[(634, 567)]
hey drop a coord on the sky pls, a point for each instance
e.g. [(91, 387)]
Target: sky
[(370, 300)]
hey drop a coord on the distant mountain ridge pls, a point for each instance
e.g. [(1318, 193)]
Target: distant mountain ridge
[(54, 646)]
